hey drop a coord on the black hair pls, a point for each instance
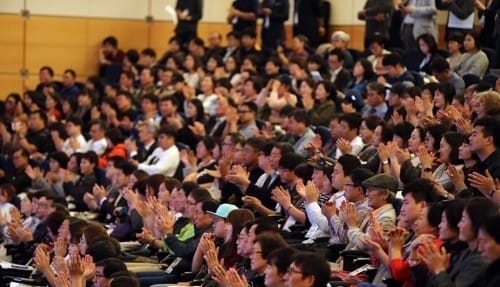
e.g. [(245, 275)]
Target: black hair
[(61, 158), (312, 264), (251, 105), (70, 71), (281, 258), (48, 69), (393, 59), (491, 128), (439, 65), (479, 209), (348, 162), (256, 143), (290, 161), (149, 52), (454, 140), (358, 175), (209, 143), (434, 212), (110, 40), (430, 41), (198, 193), (304, 171), (74, 120), (421, 189), (353, 120), (437, 131), (114, 135), (111, 266), (453, 212), (403, 130), (337, 52), (448, 91), (490, 226)]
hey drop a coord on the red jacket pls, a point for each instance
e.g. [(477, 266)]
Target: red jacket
[(117, 150)]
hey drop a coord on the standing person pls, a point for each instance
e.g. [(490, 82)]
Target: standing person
[(275, 13), (461, 15), (308, 20), (189, 13), (419, 19), (243, 15), (377, 17)]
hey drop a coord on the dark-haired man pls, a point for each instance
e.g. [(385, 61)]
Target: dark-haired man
[(76, 141), (85, 183), (299, 128), (339, 76), (165, 158), (69, 90), (38, 138), (189, 13)]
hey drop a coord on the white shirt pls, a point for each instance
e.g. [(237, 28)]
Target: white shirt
[(162, 161), (98, 146), (209, 103), (357, 145), (82, 145)]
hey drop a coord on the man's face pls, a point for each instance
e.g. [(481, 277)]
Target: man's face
[(99, 280), (346, 130), (251, 155), (372, 98), (246, 115), (338, 178), (125, 81), (167, 108), (144, 135), (19, 160), (410, 210), (334, 63), (163, 141), (191, 206), (391, 71), (35, 122), (44, 208), (274, 158), (477, 140), (71, 129), (44, 76), (146, 77), (201, 218), (68, 80), (96, 133), (295, 278), (86, 166)]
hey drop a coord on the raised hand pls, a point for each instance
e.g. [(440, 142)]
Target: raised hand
[(42, 259), (350, 214), (89, 268), (329, 209), (396, 237), (234, 279), (60, 247), (485, 183), (312, 192), (436, 259), (281, 196)]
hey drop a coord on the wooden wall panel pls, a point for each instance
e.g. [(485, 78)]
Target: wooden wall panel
[(12, 29), (74, 42)]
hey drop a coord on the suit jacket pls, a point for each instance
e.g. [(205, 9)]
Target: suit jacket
[(372, 26), (342, 79), (143, 153), (494, 10), (273, 29), (247, 6), (466, 271), (307, 12), (264, 193), (424, 14), (195, 10)]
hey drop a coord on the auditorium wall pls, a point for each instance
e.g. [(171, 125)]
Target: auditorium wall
[(67, 34)]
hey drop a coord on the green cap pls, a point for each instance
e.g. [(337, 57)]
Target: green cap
[(382, 180)]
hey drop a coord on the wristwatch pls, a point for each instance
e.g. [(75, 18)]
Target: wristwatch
[(385, 162), (427, 169)]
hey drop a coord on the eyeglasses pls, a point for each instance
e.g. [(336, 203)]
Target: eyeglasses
[(293, 270), (191, 203), (243, 112)]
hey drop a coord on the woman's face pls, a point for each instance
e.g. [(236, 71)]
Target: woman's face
[(479, 107), (469, 43), (424, 48), (305, 89), (257, 262), (358, 70), (53, 165), (50, 103), (189, 62), (219, 227), (453, 47), (207, 85), (320, 94), (466, 231), (444, 151), (445, 232), (26, 207), (398, 140), (191, 111), (230, 64), (163, 194), (429, 142), (365, 133), (241, 243), (272, 277), (422, 225), (73, 165), (414, 142), (201, 150), (439, 100), (211, 64), (377, 136), (83, 245), (464, 152)]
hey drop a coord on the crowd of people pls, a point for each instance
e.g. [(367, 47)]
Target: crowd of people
[(257, 164)]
